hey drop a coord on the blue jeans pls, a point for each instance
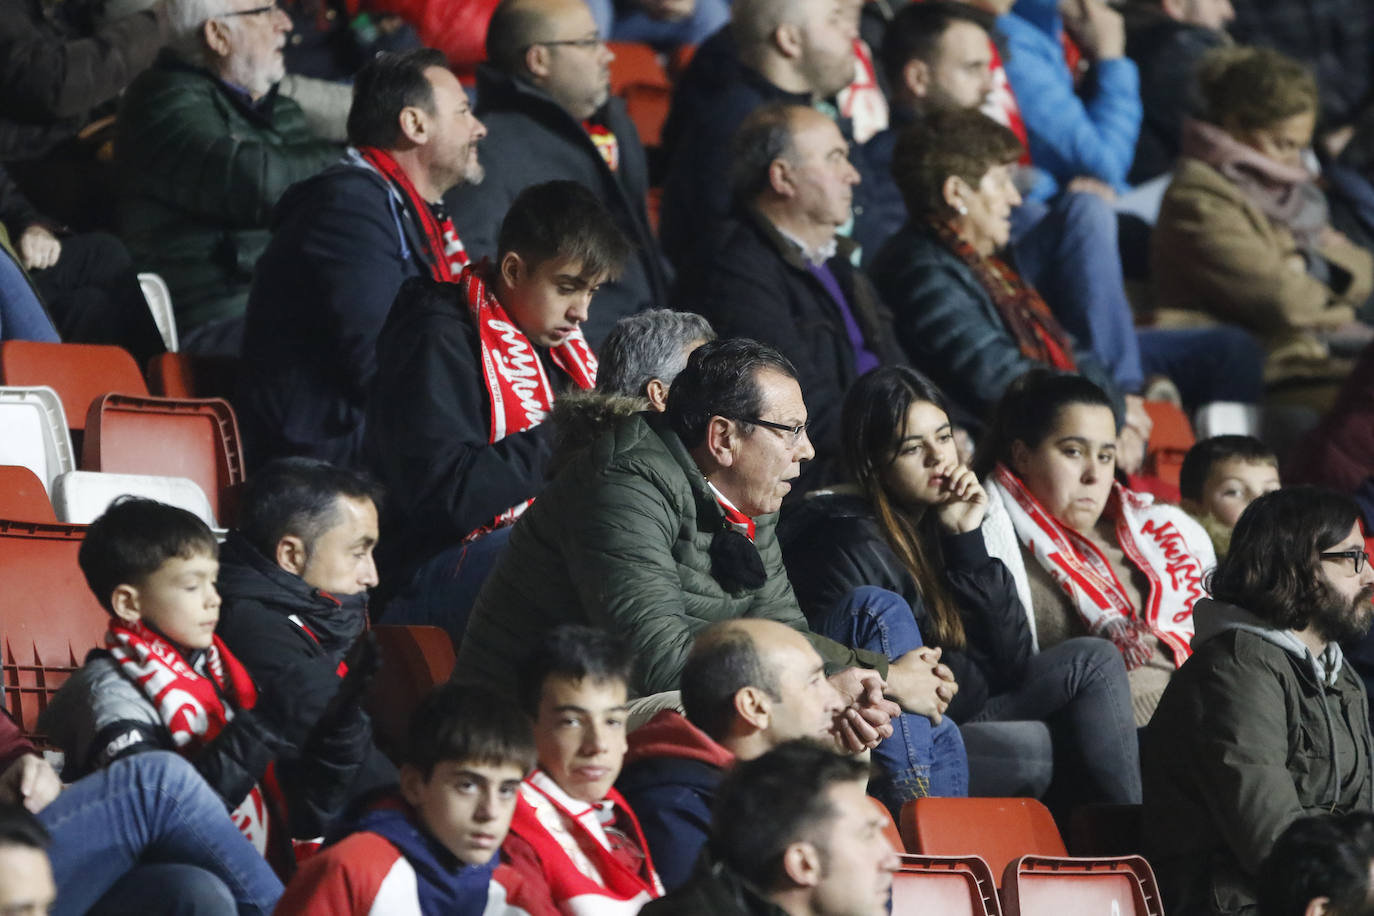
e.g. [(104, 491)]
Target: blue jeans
[(627, 22), (152, 810), (1222, 363), (443, 590), (920, 759), (22, 316)]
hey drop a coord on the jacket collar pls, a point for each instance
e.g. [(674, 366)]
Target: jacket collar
[(260, 111), (1212, 618)]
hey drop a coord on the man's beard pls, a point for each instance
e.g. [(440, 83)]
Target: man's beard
[(1337, 620)]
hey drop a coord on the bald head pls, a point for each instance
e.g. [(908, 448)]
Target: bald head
[(555, 46)]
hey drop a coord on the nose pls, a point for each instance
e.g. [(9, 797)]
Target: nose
[(605, 52), (213, 599), (593, 740), (281, 21), (580, 308), (1090, 470), (479, 130), (805, 451), (852, 175), (1367, 574), (486, 805), (368, 577), (1013, 195)]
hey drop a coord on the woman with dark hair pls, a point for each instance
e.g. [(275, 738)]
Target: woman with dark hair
[(911, 522), (1090, 556)]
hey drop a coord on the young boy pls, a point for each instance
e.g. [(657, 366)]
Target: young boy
[(1220, 477), (165, 681), (572, 833), (432, 849)]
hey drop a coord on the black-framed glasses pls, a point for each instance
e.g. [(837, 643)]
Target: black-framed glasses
[(796, 431), (1355, 553), (585, 44), (255, 11)]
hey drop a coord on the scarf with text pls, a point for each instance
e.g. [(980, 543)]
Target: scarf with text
[(194, 707), (1160, 540), (1038, 335), (518, 389), (446, 253)]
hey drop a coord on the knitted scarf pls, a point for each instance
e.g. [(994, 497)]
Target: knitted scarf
[(1038, 335), (194, 707), (518, 389), (446, 253)]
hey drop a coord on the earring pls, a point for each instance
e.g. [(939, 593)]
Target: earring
[(962, 210)]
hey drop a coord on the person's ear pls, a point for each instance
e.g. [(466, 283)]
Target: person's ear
[(752, 705), (1020, 458), (412, 784), (721, 437), (291, 554), (787, 38), (1174, 9), (954, 192), (780, 178), (124, 602), (801, 862), (414, 123), (1318, 906), (215, 34), (538, 59), (512, 269), (916, 78), (657, 393)]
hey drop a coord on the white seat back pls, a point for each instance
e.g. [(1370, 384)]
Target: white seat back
[(159, 299), (80, 497), (34, 434)]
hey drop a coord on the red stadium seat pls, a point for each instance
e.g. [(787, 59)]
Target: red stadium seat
[(947, 885), (894, 836), (996, 829), (1045, 886), (181, 375), (169, 437), (23, 497), (414, 659), (79, 373), (639, 79), (48, 617)]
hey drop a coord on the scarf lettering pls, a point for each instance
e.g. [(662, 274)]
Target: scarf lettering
[(1185, 573), (519, 366)]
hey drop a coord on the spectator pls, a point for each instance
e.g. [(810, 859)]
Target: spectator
[(573, 839), (294, 579), (87, 281), (1339, 452), (1264, 725), (26, 884), (665, 24), (911, 522), (432, 846), (1167, 39), (103, 825), (1220, 477), (638, 361), (207, 148), (793, 832), (22, 314), (1321, 865), (747, 686), (792, 51), (777, 272), (666, 525), (1084, 143), (466, 374), (165, 680), (342, 244), (545, 97), (1090, 557), (1243, 235)]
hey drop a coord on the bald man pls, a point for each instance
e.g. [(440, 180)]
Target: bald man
[(748, 686), (544, 96)]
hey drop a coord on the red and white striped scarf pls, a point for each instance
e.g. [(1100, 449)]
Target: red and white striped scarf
[(446, 253)]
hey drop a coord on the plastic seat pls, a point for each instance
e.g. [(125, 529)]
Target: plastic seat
[(23, 496), (159, 299), (34, 434), (414, 660), (49, 619), (169, 437), (181, 375), (1170, 440), (947, 885), (81, 497), (894, 836), (639, 79), (1221, 418), (79, 373), (996, 829), (1044, 886), (1105, 830)]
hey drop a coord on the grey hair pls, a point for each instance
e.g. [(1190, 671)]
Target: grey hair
[(646, 346), (185, 19), (763, 138)]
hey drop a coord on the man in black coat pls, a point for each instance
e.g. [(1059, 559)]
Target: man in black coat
[(342, 244), (778, 273), (294, 578), (545, 99)]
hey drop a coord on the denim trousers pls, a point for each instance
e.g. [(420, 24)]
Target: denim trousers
[(626, 22), (443, 590), (22, 316), (920, 758), (147, 834)]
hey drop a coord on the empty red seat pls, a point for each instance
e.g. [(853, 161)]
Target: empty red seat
[(414, 659), (1045, 886), (49, 619), (169, 437), (79, 373), (996, 829), (23, 497), (947, 885)]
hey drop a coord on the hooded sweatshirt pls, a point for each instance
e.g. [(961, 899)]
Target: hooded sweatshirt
[(1253, 732)]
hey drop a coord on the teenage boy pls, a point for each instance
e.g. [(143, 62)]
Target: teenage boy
[(165, 681), (466, 373), (432, 849), (573, 834), (1220, 477)]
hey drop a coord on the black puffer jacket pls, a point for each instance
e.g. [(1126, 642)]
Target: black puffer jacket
[(832, 544), (285, 631)]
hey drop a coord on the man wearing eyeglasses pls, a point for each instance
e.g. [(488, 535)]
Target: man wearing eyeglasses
[(1265, 723), (544, 95), (778, 271)]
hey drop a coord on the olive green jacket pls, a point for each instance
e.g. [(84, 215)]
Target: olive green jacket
[(621, 540)]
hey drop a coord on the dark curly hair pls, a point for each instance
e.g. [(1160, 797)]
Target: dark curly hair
[(958, 142)]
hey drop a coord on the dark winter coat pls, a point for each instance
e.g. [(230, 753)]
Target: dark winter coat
[(832, 545), (717, 890), (949, 327), (428, 430), (756, 284), (203, 167), (342, 243), (532, 139)]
